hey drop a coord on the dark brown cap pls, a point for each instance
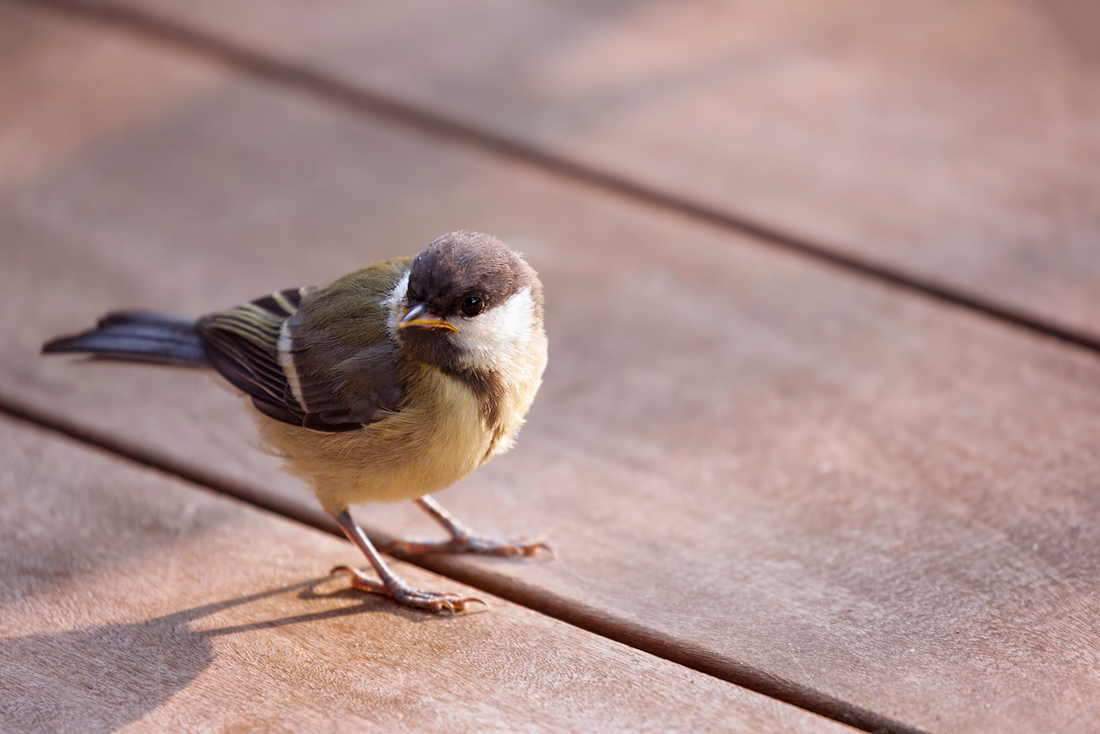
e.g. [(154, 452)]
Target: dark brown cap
[(460, 265)]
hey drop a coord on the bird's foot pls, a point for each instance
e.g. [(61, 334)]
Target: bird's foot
[(485, 545), (402, 593)]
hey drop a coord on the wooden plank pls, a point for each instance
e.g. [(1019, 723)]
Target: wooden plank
[(133, 602), (742, 459), (955, 144), (85, 86)]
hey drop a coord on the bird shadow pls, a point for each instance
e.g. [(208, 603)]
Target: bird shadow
[(98, 679)]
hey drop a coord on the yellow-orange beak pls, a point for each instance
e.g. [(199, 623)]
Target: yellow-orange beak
[(419, 315)]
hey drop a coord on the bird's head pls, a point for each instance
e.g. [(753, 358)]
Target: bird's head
[(469, 303)]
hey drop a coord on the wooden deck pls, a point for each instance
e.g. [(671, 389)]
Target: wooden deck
[(819, 444)]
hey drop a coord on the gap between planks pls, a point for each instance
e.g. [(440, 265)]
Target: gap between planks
[(621, 630), (361, 100)]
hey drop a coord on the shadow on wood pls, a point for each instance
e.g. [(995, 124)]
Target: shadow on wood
[(98, 679)]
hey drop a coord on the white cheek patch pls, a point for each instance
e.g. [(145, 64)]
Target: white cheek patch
[(496, 337), (394, 303)]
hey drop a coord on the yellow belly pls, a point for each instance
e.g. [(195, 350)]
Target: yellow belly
[(413, 452)]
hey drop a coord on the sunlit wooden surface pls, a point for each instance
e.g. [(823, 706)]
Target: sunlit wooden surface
[(819, 429)]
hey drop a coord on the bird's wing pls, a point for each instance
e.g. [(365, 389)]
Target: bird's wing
[(323, 359), (243, 345)]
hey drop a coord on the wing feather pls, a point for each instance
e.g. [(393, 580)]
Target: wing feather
[(344, 360)]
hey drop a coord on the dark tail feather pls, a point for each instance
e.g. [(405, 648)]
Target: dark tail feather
[(137, 336)]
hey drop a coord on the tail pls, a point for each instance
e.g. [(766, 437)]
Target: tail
[(137, 336)]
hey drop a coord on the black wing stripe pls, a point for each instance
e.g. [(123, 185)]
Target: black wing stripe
[(285, 303), (293, 296), (281, 304), (250, 363), (272, 306), (264, 369), (278, 412), (235, 370), (238, 351)]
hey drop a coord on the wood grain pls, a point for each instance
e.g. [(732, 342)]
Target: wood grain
[(133, 602), (953, 144), (769, 465)]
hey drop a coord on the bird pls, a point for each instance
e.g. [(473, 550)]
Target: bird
[(389, 384)]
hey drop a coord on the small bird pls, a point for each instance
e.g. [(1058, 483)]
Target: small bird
[(391, 383)]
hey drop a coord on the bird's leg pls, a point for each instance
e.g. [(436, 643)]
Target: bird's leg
[(463, 539), (390, 584)]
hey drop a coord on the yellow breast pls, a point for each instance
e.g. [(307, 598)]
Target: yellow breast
[(437, 438)]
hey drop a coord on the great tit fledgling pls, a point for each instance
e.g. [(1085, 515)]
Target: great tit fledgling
[(391, 383)]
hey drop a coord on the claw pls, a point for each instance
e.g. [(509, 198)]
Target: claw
[(402, 593), (475, 544), (473, 600), (532, 549)]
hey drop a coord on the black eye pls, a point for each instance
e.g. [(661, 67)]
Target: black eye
[(472, 306)]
